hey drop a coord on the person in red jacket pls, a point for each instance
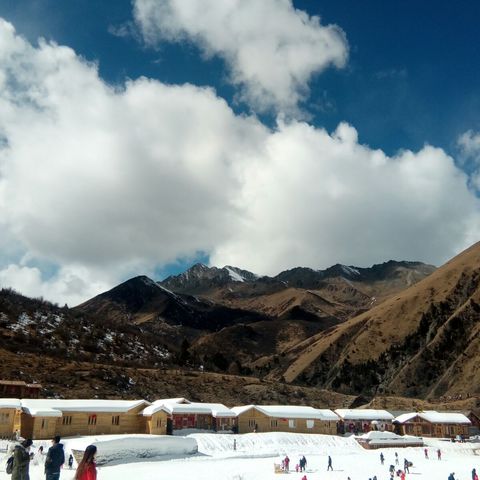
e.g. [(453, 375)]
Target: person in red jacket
[(87, 469)]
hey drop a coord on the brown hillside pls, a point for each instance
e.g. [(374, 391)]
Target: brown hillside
[(423, 341)]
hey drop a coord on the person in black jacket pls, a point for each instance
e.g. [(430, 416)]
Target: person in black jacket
[(55, 459), (21, 460)]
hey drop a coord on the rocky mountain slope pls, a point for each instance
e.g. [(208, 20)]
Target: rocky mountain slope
[(353, 330), (423, 341), (299, 303)]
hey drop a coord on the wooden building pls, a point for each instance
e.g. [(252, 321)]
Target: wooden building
[(42, 419), (283, 418), (183, 414), (363, 420), (474, 428), (156, 419), (433, 424), (19, 389), (9, 417)]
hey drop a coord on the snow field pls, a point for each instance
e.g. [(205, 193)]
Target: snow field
[(256, 453)]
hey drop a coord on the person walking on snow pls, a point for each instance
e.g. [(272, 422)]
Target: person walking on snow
[(382, 458), (329, 463), (70, 461), (426, 453), (55, 459), (406, 466), (439, 454), (396, 459), (287, 463), (474, 474)]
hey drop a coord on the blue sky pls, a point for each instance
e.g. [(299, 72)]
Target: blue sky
[(412, 78), (399, 76)]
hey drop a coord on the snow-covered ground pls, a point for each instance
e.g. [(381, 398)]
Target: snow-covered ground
[(256, 454)]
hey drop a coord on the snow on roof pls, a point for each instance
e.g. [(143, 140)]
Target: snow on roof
[(363, 414), (239, 410), (287, 411), (214, 409), (10, 403), (433, 416), (388, 438), (96, 406), (173, 400), (42, 412), (297, 412), (154, 408)]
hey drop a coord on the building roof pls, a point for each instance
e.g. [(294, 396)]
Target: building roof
[(214, 409), (20, 383), (433, 416), (365, 414), (387, 439), (42, 412), (10, 403), (88, 406), (287, 411), (173, 400), (155, 407)]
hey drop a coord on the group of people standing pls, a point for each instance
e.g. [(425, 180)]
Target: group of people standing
[(299, 467), (18, 465)]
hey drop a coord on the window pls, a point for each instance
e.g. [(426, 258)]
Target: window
[(292, 423), (310, 423), (4, 417), (44, 424), (92, 419), (274, 423), (66, 420), (159, 422), (252, 423), (116, 420)]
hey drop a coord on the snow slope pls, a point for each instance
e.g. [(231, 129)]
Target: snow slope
[(256, 453)]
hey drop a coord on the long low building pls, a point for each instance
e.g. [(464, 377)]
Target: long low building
[(42, 419), (183, 414), (364, 420), (46, 418), (431, 423), (283, 418)]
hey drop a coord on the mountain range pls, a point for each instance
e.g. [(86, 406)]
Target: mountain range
[(394, 329)]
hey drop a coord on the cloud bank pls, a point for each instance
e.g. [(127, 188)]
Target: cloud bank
[(106, 183), (271, 49)]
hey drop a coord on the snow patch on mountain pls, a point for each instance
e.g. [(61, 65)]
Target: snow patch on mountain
[(351, 271), (236, 277)]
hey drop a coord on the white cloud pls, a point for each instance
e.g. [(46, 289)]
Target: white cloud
[(107, 183), (316, 199), (69, 284), (469, 144), (272, 50)]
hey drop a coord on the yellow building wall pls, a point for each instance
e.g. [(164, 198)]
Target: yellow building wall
[(157, 423), (78, 423), (253, 418), (421, 428), (37, 427), (7, 422)]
